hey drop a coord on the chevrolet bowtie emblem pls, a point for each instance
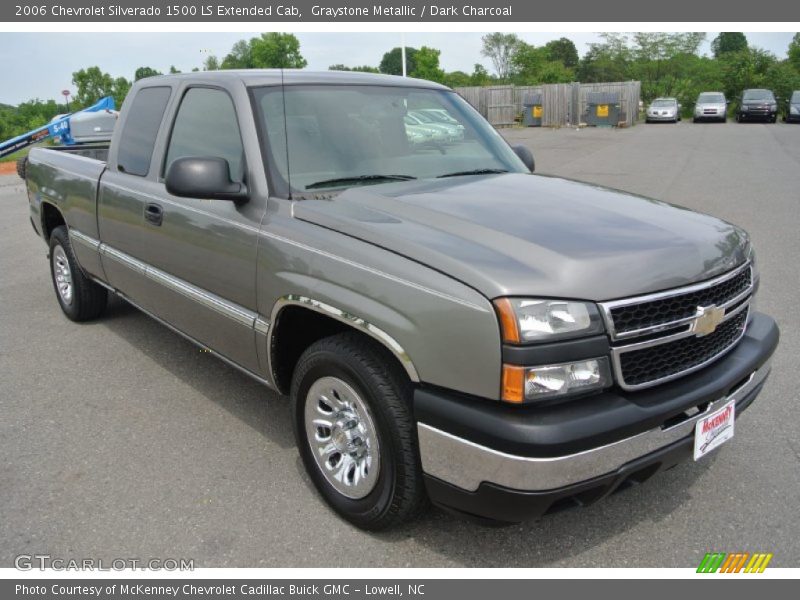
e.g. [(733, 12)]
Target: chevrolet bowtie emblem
[(707, 319)]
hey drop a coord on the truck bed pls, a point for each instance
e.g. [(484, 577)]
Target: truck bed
[(67, 178)]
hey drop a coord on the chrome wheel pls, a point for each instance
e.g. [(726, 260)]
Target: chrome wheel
[(62, 275), (342, 436)]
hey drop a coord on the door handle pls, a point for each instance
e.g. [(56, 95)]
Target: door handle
[(153, 213)]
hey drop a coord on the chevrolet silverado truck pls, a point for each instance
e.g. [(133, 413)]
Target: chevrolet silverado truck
[(448, 325)]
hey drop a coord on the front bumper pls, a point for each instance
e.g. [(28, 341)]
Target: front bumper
[(666, 118), (757, 114), (513, 463)]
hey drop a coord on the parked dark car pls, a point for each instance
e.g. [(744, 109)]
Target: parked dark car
[(757, 105), (793, 108)]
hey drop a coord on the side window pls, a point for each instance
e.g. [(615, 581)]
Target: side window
[(206, 126), (141, 128)]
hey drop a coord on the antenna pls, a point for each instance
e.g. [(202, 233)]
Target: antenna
[(286, 136)]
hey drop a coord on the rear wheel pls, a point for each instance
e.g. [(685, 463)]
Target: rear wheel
[(80, 298), (22, 166), (351, 407)]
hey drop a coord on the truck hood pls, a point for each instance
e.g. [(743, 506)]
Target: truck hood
[(534, 235)]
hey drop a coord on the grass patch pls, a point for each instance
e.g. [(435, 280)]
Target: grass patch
[(15, 156)]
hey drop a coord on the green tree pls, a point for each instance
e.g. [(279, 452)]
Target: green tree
[(392, 61), (427, 65), (480, 76), (457, 79), (745, 69), (173, 70), (240, 56), (361, 68), (608, 60), (732, 41), (92, 84), (143, 72), (783, 79), (276, 50), (794, 52), (660, 60), (500, 48), (562, 50), (211, 63)]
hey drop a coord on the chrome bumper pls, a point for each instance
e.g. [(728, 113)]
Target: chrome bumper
[(466, 465)]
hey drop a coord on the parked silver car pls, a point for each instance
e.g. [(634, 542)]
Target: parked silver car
[(712, 106), (663, 109)]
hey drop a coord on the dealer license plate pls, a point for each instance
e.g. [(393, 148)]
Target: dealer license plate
[(714, 430)]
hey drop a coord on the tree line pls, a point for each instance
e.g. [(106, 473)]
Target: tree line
[(667, 64)]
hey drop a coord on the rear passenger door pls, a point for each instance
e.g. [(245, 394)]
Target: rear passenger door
[(204, 251)]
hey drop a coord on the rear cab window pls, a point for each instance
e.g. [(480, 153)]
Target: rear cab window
[(138, 137)]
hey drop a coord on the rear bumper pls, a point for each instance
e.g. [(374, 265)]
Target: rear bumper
[(510, 465)]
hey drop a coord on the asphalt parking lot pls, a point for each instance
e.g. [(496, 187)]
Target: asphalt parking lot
[(119, 439)]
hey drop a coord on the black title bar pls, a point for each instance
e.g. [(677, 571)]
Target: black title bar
[(294, 11)]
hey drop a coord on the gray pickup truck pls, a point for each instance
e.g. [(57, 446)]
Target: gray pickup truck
[(447, 325)]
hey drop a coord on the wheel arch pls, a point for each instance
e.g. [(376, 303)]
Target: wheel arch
[(320, 320), (50, 217)]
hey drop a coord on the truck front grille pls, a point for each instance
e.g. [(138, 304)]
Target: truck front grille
[(637, 317), (659, 337), (664, 360)]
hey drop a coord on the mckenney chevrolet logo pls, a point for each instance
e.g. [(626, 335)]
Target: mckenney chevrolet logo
[(736, 562), (707, 319)]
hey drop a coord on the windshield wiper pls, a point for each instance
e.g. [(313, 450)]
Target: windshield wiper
[(475, 172), (357, 179)]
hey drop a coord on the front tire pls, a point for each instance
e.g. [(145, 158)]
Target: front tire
[(80, 298), (352, 417)]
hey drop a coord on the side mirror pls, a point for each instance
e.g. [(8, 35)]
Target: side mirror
[(203, 177), (525, 156)]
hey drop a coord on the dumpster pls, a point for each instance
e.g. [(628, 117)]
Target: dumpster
[(602, 108), (532, 110)]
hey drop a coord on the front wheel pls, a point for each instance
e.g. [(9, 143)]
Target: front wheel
[(80, 298), (351, 407)]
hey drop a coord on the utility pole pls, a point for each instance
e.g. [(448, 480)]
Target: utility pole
[(403, 52)]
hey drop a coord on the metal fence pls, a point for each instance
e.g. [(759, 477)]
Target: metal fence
[(562, 103)]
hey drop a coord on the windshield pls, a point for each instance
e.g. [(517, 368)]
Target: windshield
[(342, 136), (711, 99), (795, 98), (664, 102), (753, 95)]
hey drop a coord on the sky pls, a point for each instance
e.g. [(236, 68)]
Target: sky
[(40, 65)]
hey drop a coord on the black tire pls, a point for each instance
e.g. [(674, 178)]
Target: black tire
[(22, 167), (368, 368), (88, 299), (695, 120)]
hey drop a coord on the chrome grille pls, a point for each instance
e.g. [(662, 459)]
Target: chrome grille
[(661, 361), (655, 338), (634, 318)]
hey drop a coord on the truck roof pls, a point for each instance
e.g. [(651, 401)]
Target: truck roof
[(259, 77)]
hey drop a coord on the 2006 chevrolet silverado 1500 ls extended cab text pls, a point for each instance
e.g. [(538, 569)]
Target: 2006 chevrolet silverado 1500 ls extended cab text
[(446, 324)]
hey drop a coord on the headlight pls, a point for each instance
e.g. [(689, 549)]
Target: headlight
[(524, 320), (521, 384)]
